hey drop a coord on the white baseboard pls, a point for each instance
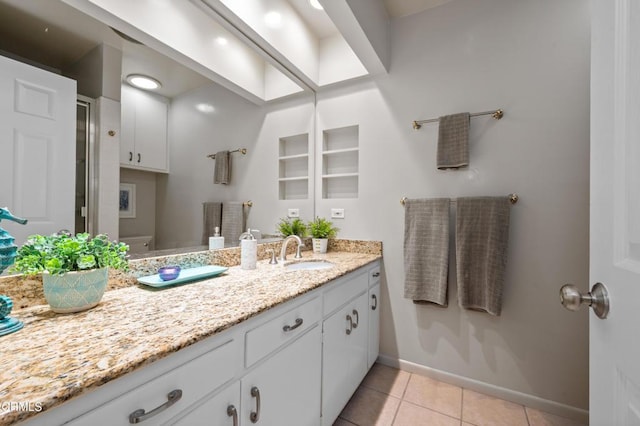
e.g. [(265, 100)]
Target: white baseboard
[(488, 389)]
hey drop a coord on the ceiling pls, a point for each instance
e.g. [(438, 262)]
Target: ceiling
[(52, 33), (400, 8)]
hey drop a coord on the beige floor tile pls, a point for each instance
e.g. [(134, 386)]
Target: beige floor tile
[(387, 379), (342, 422), (414, 415), (435, 395), (484, 410), (540, 418), (368, 407)]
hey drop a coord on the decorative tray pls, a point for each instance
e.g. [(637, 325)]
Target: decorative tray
[(186, 275)]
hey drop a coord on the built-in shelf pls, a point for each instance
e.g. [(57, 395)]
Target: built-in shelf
[(293, 159), (340, 162)]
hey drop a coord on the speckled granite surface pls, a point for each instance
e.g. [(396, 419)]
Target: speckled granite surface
[(48, 368)]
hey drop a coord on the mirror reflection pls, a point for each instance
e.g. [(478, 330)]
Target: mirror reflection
[(162, 172)]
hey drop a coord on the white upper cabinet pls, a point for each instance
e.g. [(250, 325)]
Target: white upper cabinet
[(143, 142)]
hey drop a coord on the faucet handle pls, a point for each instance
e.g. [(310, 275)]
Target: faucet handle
[(273, 260)]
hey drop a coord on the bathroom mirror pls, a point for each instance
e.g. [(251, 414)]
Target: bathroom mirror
[(275, 174)]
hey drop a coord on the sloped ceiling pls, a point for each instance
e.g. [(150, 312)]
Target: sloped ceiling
[(399, 8)]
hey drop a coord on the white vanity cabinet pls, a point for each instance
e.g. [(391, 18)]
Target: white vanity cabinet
[(296, 364), (143, 142), (345, 344), (374, 315)]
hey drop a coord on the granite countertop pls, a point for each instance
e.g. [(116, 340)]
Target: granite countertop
[(57, 357)]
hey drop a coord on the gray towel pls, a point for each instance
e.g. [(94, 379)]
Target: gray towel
[(482, 234), (453, 141), (212, 214), (222, 172), (426, 250), (233, 221)]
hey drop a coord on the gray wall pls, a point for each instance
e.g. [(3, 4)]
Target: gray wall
[(145, 221), (532, 60)]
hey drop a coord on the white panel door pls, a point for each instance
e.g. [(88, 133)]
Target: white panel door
[(37, 148), (614, 385)]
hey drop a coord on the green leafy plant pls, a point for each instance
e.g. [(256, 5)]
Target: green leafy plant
[(287, 227), (322, 228), (61, 253)]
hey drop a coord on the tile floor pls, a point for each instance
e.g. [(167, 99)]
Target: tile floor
[(388, 396)]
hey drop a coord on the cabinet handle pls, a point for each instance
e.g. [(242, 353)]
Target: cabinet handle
[(130, 156), (355, 314), (375, 302), (376, 274), (232, 412), (139, 157), (292, 327), (350, 324), (255, 415), (140, 415)]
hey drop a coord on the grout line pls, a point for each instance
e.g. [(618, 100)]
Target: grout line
[(406, 386), (526, 415)]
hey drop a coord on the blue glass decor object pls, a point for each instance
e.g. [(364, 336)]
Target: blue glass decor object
[(8, 325), (168, 273), (8, 249)]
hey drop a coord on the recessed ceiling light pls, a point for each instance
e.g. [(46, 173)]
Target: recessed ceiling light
[(222, 41), (316, 4), (206, 108), (143, 82), (273, 19)]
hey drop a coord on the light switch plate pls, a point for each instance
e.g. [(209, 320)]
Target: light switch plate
[(293, 213), (337, 213)]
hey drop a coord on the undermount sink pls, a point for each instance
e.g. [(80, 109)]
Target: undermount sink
[(309, 265)]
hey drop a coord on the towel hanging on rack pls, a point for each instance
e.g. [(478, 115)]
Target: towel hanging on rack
[(453, 141)]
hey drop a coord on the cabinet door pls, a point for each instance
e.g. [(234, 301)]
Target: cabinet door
[(344, 356), (286, 387), (374, 324), (127, 124), (223, 409), (151, 132)]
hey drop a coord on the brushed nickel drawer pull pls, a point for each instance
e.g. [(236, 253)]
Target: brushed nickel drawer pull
[(232, 412), (140, 415), (375, 302), (288, 327), (350, 324), (139, 157), (130, 155), (255, 415), (376, 274), (355, 314)]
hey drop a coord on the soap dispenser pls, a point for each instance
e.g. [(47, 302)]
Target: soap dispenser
[(216, 242), (248, 250)]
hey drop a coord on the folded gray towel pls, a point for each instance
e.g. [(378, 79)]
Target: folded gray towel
[(482, 235), (426, 250), (233, 221), (212, 215), (453, 141), (222, 172)]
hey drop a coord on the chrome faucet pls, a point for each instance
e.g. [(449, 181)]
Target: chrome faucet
[(283, 253)]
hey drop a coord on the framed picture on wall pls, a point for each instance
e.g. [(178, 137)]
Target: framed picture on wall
[(128, 200)]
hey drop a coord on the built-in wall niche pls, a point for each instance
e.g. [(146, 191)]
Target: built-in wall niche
[(340, 162), (293, 176)]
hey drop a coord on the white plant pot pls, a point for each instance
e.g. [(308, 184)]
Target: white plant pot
[(320, 245)]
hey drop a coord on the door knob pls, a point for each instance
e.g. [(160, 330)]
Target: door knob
[(597, 298)]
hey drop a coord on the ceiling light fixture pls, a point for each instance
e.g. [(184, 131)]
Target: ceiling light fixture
[(273, 19), (143, 82), (316, 4), (222, 41)]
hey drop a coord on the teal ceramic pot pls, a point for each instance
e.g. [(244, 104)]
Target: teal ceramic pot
[(75, 291)]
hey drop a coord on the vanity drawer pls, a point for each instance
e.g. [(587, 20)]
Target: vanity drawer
[(269, 336), (195, 379), (353, 285)]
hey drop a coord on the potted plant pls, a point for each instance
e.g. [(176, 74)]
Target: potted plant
[(321, 230), (74, 268), (287, 227)]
